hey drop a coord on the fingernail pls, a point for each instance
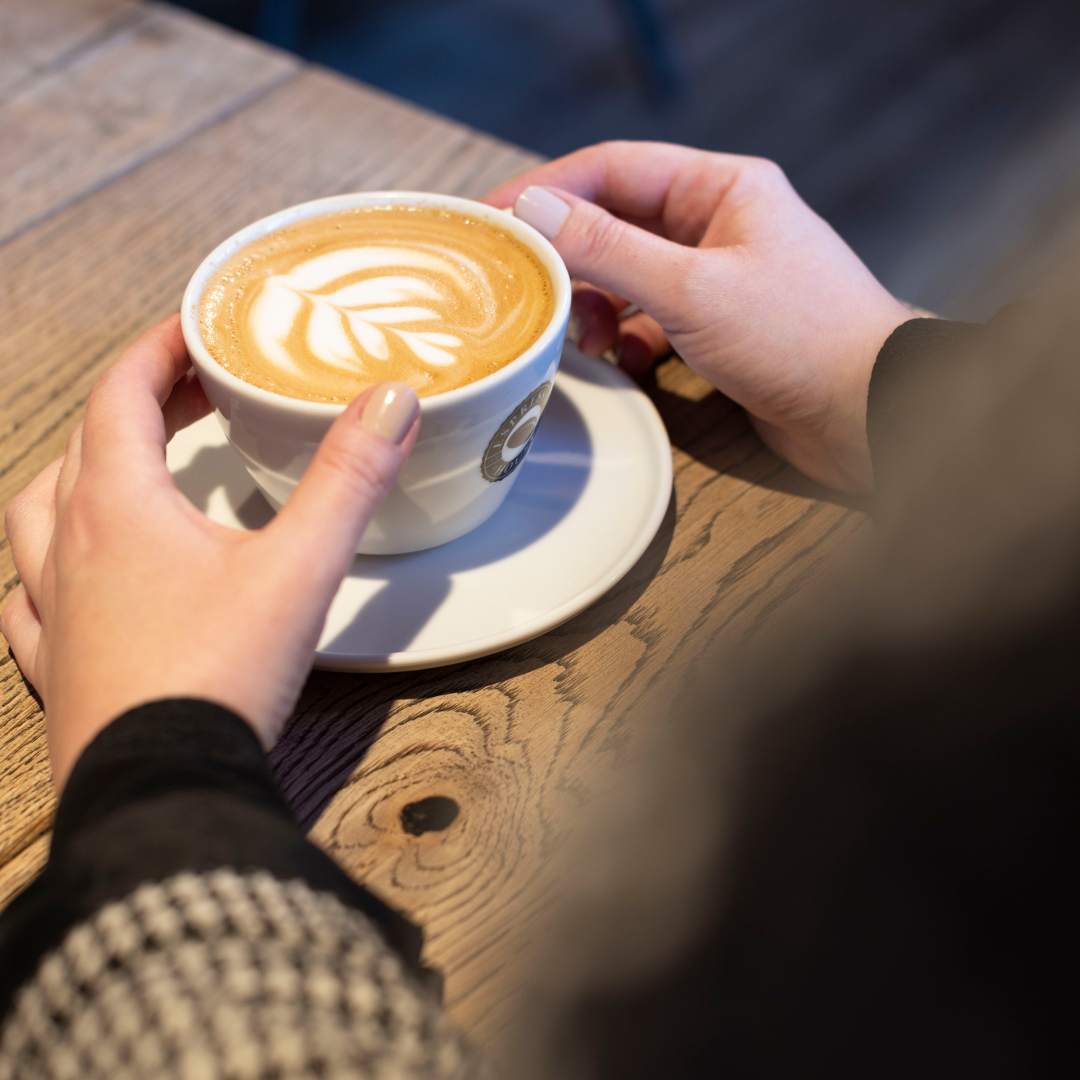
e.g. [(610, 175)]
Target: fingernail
[(545, 212), (575, 328), (390, 411)]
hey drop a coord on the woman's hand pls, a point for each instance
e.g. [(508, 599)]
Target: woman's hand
[(729, 265), (129, 593)]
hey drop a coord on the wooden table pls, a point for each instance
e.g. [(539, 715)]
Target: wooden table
[(132, 138)]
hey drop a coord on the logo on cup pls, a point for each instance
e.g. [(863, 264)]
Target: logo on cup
[(511, 442)]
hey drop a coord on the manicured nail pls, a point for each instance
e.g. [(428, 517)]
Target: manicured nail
[(390, 411), (545, 212)]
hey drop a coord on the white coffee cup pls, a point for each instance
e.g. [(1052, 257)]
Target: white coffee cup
[(471, 439)]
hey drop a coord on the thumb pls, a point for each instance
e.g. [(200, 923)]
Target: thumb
[(351, 473), (607, 251)]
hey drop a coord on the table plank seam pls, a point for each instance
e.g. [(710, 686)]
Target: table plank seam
[(243, 102), (114, 24)]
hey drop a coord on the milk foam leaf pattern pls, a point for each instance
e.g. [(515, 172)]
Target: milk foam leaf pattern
[(345, 324), (391, 315), (372, 339), (390, 289), (426, 350), (326, 335)]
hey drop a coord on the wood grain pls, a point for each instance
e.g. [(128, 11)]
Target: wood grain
[(446, 790), (123, 96), (47, 33), (26, 797)]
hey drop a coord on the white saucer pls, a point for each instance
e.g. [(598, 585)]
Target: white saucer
[(589, 499)]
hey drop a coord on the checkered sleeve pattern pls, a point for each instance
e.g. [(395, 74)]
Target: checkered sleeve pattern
[(226, 974)]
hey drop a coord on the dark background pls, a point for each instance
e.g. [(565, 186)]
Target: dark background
[(941, 137)]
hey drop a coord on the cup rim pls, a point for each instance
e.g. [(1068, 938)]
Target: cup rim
[(429, 403)]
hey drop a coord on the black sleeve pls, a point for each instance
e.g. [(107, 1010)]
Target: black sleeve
[(922, 370), (171, 786)]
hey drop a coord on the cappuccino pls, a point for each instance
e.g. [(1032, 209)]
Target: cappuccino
[(420, 295)]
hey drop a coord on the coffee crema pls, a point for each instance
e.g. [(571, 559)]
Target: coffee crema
[(420, 295)]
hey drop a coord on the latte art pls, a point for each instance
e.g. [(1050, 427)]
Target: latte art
[(369, 308), (422, 296)]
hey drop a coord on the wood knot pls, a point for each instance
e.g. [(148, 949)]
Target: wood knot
[(432, 814)]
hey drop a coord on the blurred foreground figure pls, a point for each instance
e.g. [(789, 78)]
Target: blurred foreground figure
[(850, 853)]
